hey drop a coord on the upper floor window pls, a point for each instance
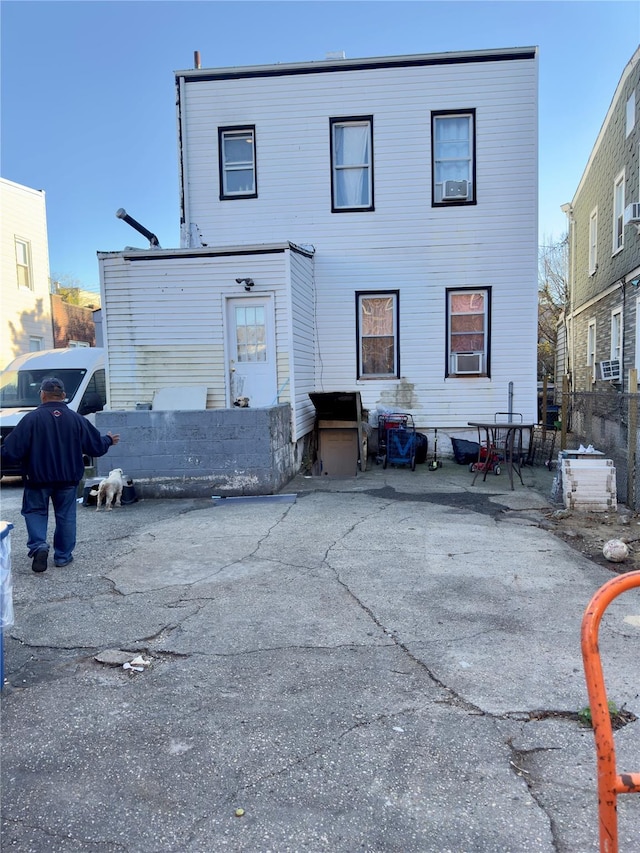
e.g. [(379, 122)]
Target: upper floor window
[(351, 142), (23, 263), (618, 213), (378, 335), (468, 332), (453, 160), (593, 241), (237, 162), (631, 112), (35, 343)]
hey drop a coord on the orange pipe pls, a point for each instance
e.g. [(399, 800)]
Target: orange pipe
[(610, 783)]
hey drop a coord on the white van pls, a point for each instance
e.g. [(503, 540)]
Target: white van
[(81, 369)]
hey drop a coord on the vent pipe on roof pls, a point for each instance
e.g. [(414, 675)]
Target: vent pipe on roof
[(196, 59), (121, 213)]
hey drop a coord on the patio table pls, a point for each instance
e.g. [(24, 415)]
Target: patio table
[(506, 437)]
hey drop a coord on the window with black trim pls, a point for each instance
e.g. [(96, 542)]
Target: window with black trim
[(377, 329), (453, 167), (468, 324), (237, 162), (351, 141)]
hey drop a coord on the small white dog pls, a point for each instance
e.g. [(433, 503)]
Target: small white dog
[(111, 488)]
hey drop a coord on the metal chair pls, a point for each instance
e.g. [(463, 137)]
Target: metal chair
[(504, 440)]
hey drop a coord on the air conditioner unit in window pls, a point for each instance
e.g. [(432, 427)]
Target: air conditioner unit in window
[(467, 362), (632, 214), (455, 190), (610, 370)]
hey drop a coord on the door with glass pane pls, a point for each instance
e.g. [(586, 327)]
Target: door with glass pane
[(251, 348)]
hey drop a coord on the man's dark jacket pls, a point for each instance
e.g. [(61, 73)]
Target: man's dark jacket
[(49, 444)]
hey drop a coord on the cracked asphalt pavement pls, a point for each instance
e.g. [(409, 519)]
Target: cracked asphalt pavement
[(384, 664)]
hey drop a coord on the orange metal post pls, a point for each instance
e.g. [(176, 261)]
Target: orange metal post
[(610, 783)]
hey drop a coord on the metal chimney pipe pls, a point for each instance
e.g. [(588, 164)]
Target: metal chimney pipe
[(121, 213), (196, 59)]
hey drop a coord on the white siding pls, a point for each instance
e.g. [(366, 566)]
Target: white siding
[(404, 243), (303, 342), (25, 312), (164, 321)]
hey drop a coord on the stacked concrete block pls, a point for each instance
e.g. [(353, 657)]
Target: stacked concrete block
[(238, 451), (589, 485)]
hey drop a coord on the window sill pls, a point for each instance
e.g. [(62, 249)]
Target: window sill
[(467, 376), (468, 202), (237, 196), (352, 209)]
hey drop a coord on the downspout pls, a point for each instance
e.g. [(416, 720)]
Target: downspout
[(623, 321), (185, 228)]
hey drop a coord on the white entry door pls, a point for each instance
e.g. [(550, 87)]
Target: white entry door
[(252, 352)]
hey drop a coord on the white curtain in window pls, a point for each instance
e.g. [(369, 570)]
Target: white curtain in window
[(453, 154), (239, 172), (352, 165)]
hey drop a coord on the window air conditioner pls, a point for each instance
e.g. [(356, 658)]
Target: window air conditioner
[(467, 362), (610, 370), (632, 214), (455, 190)]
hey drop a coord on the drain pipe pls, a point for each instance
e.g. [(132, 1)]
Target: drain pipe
[(510, 405)]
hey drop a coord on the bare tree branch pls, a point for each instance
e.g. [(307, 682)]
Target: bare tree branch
[(553, 294)]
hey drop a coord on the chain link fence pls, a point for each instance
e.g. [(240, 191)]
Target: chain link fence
[(611, 423)]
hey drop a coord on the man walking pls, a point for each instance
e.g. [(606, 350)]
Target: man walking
[(49, 444)]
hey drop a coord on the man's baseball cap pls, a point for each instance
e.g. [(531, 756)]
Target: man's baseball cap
[(52, 386)]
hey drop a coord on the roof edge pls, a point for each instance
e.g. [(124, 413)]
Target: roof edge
[(628, 69), (333, 65), (131, 254)]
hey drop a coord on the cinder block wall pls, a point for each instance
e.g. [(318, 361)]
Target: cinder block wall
[(198, 454)]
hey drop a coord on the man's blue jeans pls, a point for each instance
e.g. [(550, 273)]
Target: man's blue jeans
[(35, 510)]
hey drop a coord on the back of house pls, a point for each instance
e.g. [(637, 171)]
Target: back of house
[(359, 225)]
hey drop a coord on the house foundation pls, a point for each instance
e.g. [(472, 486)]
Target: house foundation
[(194, 454)]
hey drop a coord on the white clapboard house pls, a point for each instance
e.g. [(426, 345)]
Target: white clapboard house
[(346, 225)]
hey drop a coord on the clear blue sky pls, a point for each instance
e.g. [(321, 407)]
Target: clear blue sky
[(88, 104)]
